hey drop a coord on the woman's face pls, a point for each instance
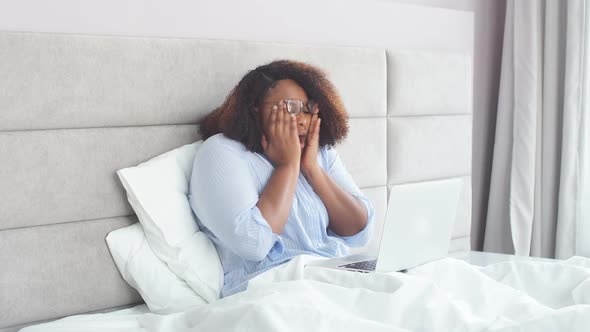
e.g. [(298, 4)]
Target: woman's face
[(286, 89)]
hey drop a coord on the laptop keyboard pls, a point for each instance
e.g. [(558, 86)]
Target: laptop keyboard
[(364, 265)]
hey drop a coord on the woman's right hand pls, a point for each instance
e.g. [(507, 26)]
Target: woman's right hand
[(281, 141)]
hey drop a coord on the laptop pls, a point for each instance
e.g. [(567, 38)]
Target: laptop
[(417, 229)]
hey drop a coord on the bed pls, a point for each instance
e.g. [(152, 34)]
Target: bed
[(78, 108)]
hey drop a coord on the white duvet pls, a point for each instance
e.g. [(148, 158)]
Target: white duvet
[(445, 295)]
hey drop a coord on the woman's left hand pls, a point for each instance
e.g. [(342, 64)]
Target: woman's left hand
[(309, 155)]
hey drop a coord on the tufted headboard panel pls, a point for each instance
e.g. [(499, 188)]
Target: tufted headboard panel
[(76, 108)]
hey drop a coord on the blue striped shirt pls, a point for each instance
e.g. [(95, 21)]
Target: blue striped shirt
[(226, 183)]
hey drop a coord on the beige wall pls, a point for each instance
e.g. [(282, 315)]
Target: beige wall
[(489, 31)]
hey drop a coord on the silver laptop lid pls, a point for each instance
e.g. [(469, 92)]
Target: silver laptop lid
[(418, 223)]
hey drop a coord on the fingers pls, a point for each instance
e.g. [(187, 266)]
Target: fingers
[(279, 128), (282, 124), (290, 122), (311, 128), (313, 134), (286, 118), (264, 142), (273, 121), (293, 126), (269, 117), (316, 132), (286, 122), (281, 144)]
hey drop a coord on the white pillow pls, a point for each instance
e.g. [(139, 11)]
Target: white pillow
[(162, 290), (157, 190)]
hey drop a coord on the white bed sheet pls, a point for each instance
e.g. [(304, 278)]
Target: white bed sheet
[(446, 295)]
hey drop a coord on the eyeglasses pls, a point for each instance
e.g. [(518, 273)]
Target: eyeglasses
[(295, 106)]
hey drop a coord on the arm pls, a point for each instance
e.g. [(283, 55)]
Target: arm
[(348, 215), (351, 214), (276, 199)]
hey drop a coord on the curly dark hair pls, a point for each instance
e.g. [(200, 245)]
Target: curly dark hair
[(237, 119)]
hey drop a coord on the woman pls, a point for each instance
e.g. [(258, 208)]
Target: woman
[(266, 183)]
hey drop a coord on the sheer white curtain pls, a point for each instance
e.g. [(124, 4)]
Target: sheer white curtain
[(573, 228), (539, 191)]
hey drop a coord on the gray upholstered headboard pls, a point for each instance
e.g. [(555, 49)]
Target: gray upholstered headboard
[(76, 108)]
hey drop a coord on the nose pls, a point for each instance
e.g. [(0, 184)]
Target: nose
[(303, 120)]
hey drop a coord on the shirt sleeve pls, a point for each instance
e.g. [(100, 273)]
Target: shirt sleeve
[(337, 171), (224, 198)]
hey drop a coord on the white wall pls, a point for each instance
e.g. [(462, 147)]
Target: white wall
[(489, 32), (378, 23)]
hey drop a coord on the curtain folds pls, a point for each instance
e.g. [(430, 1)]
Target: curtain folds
[(538, 202), (573, 231)]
